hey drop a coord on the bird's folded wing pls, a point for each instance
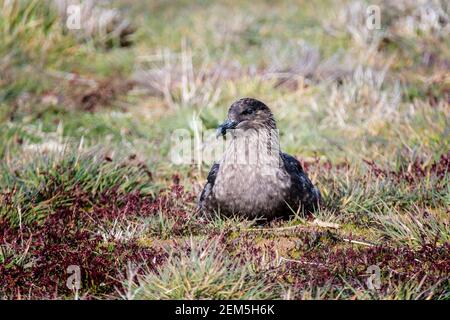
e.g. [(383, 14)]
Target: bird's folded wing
[(208, 186)]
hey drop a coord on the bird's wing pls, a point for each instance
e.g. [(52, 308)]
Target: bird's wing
[(206, 193), (291, 164), (308, 194)]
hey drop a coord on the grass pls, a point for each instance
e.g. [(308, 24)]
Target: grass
[(204, 272), (86, 124)]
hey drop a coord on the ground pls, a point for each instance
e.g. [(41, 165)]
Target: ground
[(87, 182)]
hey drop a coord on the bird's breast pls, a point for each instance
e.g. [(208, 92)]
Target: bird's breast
[(251, 189)]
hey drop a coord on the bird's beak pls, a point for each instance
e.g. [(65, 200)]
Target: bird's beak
[(222, 129)]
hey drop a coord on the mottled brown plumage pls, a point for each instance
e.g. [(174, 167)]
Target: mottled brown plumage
[(254, 178)]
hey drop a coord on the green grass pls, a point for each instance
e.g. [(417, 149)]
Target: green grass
[(39, 183), (204, 273)]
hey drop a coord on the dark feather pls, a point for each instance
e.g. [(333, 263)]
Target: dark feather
[(207, 190), (303, 191)]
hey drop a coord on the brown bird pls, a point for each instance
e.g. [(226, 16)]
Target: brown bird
[(254, 179)]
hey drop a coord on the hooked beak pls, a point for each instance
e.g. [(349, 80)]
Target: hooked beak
[(222, 129)]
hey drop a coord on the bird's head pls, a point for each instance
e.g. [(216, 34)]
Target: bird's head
[(245, 114)]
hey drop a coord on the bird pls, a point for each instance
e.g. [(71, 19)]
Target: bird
[(254, 179)]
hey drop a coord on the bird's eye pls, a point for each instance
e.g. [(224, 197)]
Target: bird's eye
[(247, 111)]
